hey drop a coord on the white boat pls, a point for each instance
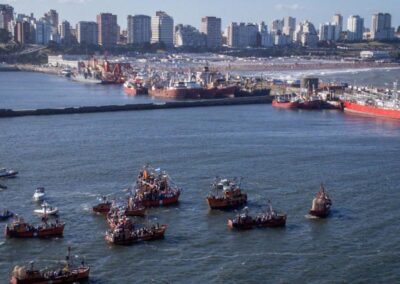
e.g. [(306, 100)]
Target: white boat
[(39, 194), (5, 173), (46, 210)]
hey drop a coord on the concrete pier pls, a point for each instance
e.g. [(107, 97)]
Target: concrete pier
[(137, 107)]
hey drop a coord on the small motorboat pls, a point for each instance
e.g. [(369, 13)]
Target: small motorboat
[(6, 173), (70, 273), (321, 204), (104, 206), (5, 214), (39, 194), (46, 210)]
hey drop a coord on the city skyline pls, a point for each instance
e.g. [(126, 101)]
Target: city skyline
[(258, 10)]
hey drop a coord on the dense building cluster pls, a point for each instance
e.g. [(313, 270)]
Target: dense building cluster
[(160, 28)]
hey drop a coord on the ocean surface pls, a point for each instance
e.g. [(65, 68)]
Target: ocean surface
[(282, 155)]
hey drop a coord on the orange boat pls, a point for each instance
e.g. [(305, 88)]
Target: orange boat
[(321, 204), (232, 196), (104, 206), (67, 274), (20, 229), (155, 188), (242, 221)]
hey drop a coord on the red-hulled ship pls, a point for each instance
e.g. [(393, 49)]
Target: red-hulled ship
[(231, 198), (373, 102), (135, 87), (155, 188), (20, 229), (242, 221), (285, 102), (67, 274), (321, 204), (104, 206), (133, 208)]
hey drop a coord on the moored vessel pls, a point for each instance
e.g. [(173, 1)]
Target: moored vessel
[(135, 87), (232, 197), (67, 274), (321, 204), (285, 101)]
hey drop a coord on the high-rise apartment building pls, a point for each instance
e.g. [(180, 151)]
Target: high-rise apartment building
[(64, 30), (186, 35), (211, 27), (162, 28), (87, 32), (6, 16), (242, 35), (107, 28), (337, 20), (52, 18), (289, 26), (139, 29), (43, 31), (381, 28), (327, 32), (355, 28)]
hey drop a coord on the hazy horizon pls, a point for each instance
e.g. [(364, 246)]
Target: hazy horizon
[(229, 10)]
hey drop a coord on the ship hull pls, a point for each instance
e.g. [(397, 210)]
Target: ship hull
[(195, 93), (135, 91), (310, 105), (226, 204), (288, 105), (371, 110), (102, 208), (160, 202), (242, 226), (272, 223), (319, 213), (80, 275)]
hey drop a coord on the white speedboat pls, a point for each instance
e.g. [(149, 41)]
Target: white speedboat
[(46, 210), (39, 194), (5, 173)]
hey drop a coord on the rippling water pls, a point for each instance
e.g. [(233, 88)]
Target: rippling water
[(282, 155)]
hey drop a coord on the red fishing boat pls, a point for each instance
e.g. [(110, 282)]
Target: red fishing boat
[(242, 221), (155, 188), (270, 218), (371, 108), (231, 198), (135, 87), (286, 101), (20, 229), (67, 274), (104, 206), (321, 204)]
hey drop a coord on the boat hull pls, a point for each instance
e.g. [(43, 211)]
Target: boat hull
[(194, 93), (50, 232), (76, 275), (279, 221), (288, 105), (242, 226), (135, 91), (371, 110), (319, 213), (310, 104), (138, 212), (225, 203), (11, 174), (102, 208), (160, 202)]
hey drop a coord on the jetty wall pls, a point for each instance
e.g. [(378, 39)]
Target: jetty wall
[(136, 107)]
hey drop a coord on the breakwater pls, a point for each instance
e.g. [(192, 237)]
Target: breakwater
[(136, 107)]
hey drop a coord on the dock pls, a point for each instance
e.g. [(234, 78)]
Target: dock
[(137, 107)]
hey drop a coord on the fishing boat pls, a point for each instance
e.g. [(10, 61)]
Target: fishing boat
[(321, 204), (135, 87), (104, 206), (5, 214), (39, 194), (155, 188), (20, 229), (135, 208), (285, 101), (310, 102), (123, 236), (231, 198), (117, 217), (7, 173), (270, 218), (67, 274), (46, 210), (242, 221)]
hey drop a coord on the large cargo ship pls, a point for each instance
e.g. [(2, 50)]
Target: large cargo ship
[(373, 103)]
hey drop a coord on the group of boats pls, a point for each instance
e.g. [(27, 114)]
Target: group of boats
[(357, 100), (226, 194)]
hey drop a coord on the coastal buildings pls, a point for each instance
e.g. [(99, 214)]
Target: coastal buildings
[(107, 29), (306, 34), (327, 32), (52, 17), (186, 35), (162, 29), (43, 31), (355, 28), (139, 29), (211, 27), (381, 28), (289, 26), (22, 31), (242, 35), (64, 30), (337, 20), (87, 32)]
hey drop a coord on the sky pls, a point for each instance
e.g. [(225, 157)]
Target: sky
[(191, 11)]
